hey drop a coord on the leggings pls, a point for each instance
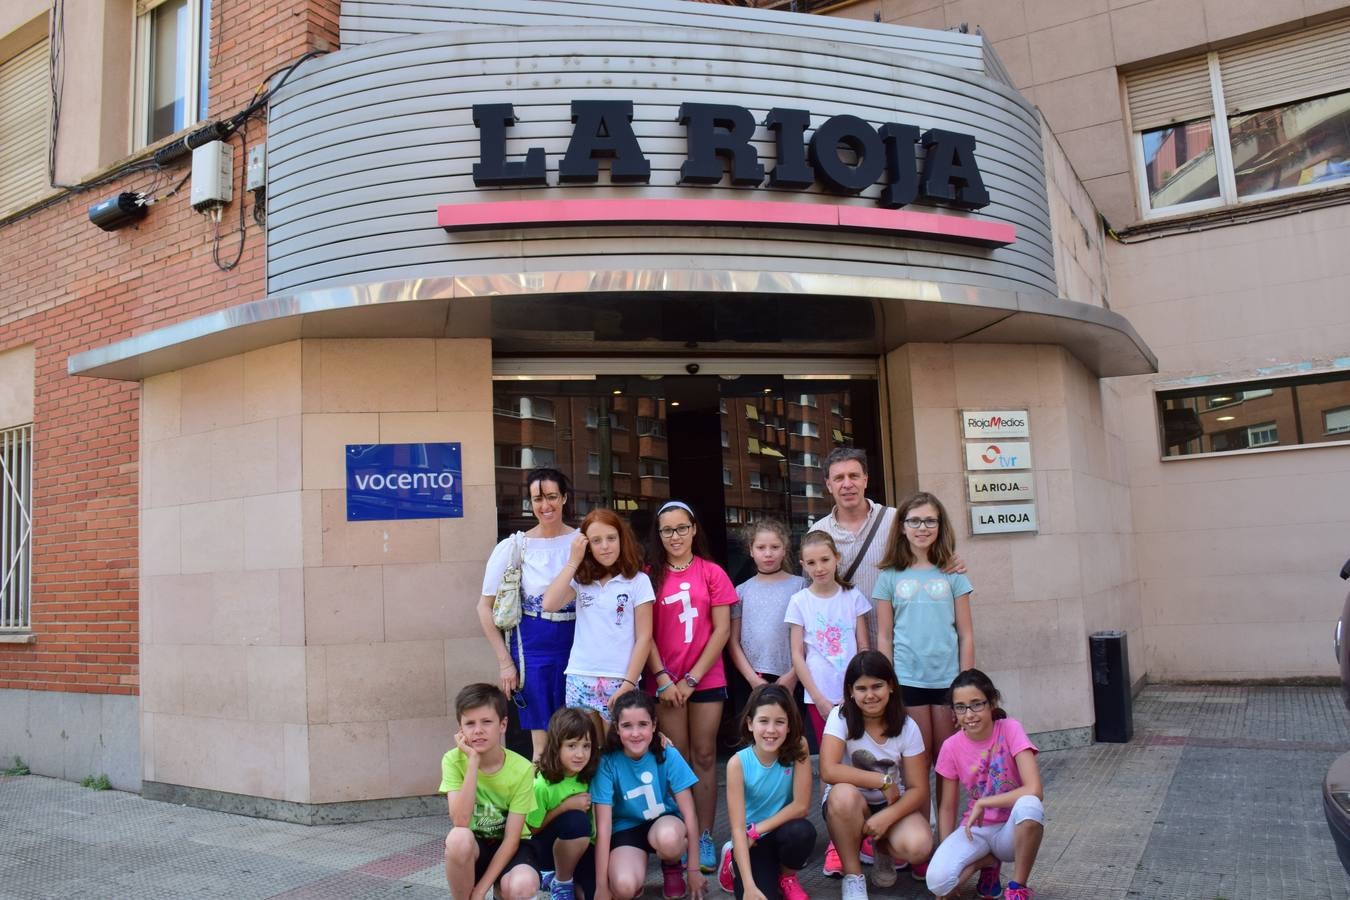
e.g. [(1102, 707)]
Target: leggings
[(957, 851), (789, 845), (572, 824)]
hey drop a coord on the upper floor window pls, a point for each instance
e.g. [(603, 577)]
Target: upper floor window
[(1261, 120), (172, 66), (25, 106), (1218, 418)]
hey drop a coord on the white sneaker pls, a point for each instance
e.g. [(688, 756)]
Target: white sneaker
[(883, 870), (855, 887)]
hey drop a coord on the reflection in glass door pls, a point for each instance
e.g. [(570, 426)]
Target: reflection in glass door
[(736, 448)]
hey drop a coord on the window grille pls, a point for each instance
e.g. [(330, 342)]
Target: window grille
[(16, 527)]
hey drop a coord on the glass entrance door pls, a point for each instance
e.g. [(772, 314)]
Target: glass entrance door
[(736, 448)]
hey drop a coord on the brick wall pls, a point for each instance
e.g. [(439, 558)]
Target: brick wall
[(66, 286)]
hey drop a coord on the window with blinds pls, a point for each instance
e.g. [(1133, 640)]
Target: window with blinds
[(1258, 120), (25, 102)]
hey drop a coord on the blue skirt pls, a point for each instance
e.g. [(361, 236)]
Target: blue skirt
[(547, 644)]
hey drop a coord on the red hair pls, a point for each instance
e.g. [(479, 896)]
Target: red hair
[(629, 562)]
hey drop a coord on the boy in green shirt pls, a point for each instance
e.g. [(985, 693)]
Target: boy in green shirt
[(490, 791)]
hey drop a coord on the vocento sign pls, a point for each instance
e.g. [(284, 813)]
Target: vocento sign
[(404, 481)]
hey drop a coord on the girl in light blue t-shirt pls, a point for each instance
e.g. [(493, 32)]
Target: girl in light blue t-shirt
[(923, 615)]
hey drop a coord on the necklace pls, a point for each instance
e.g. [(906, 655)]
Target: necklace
[(674, 568)]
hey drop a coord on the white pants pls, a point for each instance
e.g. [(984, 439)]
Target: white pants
[(957, 851)]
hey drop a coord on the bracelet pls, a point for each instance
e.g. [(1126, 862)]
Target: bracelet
[(659, 672), (630, 681), (752, 832), (664, 687)]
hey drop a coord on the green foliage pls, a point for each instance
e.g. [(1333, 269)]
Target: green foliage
[(96, 783), (19, 768)]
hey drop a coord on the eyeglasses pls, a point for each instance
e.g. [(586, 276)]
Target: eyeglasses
[(546, 498), (922, 523), (681, 530), (962, 708), (518, 698)]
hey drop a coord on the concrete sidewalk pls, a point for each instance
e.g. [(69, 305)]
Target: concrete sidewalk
[(1218, 796)]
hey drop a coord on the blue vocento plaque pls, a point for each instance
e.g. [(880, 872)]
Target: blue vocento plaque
[(404, 481)]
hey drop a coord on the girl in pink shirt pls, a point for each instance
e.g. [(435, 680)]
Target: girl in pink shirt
[(690, 625), (995, 762)]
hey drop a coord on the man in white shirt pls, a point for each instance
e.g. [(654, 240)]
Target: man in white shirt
[(852, 520)]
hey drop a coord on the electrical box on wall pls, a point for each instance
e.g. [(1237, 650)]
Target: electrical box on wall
[(256, 176), (212, 175)]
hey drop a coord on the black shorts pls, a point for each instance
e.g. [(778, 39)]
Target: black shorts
[(872, 808), (710, 695), (921, 696), (633, 837), (487, 848)]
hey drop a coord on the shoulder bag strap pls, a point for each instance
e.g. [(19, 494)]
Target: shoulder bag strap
[(867, 542)]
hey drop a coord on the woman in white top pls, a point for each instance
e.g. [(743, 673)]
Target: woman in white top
[(613, 597), (536, 652)]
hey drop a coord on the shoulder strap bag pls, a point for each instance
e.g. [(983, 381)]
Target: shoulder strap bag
[(506, 607), (867, 542)]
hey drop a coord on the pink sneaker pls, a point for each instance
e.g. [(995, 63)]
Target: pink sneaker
[(726, 880), (673, 884), (791, 888), (867, 852), (919, 871), (989, 887), (1021, 892), (834, 866)]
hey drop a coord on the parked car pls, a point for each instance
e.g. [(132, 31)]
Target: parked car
[(1336, 787)]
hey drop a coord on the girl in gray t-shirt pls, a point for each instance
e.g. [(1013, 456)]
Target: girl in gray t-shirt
[(759, 636)]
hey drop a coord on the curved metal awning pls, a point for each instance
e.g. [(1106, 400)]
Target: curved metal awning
[(635, 311)]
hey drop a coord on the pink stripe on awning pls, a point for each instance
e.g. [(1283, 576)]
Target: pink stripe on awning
[(527, 213)]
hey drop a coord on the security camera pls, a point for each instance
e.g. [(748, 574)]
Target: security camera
[(692, 368)]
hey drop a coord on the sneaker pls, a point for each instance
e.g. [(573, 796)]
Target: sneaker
[(725, 879), (989, 887), (883, 870), (560, 890), (919, 871), (855, 888), (834, 866), (707, 853), (546, 881), (1020, 892), (791, 888), (866, 851), (673, 884)]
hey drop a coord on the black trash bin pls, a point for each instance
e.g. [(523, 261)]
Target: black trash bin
[(1110, 658)]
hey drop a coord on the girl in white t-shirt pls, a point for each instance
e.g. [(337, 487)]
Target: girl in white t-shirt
[(875, 771), (603, 574), (828, 625)]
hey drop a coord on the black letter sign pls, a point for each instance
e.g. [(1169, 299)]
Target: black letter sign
[(859, 137), (900, 169), (949, 170), (789, 127), (492, 120), (707, 144), (602, 129)]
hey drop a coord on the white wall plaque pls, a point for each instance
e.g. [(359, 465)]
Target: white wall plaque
[(983, 456), (1003, 517), (1000, 486), (996, 423)]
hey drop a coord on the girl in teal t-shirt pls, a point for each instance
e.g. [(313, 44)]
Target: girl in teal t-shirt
[(561, 824), (923, 615)]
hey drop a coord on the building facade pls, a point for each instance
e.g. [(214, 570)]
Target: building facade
[(678, 250)]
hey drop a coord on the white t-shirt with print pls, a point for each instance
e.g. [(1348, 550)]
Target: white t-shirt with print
[(866, 753), (830, 634), (606, 628)]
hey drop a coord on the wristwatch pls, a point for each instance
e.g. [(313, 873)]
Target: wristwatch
[(887, 780), (691, 680)]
